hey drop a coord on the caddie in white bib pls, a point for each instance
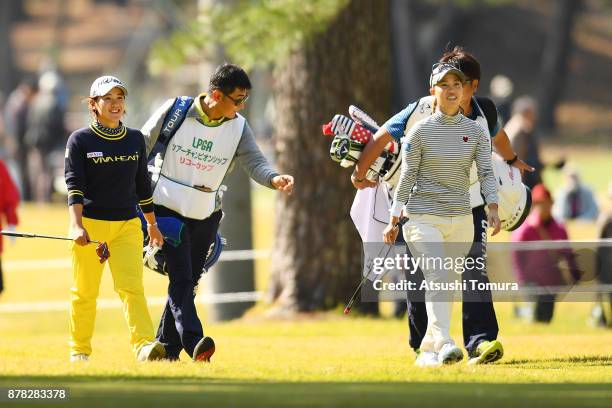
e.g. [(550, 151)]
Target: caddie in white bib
[(195, 165)]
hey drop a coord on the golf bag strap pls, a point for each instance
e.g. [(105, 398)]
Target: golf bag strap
[(172, 122), (174, 119)]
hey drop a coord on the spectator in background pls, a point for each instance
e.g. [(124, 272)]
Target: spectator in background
[(521, 131), (575, 201), (602, 313), (3, 136), (15, 122), (45, 131), (501, 89), (9, 200), (541, 267)]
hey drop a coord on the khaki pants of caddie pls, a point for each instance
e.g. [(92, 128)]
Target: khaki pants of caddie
[(437, 238), (124, 239)]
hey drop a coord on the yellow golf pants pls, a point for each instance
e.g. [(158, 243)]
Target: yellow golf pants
[(124, 239)]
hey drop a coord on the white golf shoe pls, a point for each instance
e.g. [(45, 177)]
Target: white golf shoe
[(427, 359), (450, 354), (75, 358)]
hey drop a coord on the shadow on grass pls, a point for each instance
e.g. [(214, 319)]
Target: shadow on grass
[(108, 391), (548, 362)]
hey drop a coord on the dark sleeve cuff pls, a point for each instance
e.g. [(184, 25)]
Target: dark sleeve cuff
[(146, 205), (75, 197)]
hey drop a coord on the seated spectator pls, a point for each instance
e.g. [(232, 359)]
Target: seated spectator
[(575, 201), (540, 268)]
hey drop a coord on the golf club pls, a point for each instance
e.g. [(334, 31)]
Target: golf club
[(101, 250), (349, 305)]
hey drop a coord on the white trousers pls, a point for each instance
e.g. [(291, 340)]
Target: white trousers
[(436, 239)]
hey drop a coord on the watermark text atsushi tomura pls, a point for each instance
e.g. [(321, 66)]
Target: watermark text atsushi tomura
[(433, 263), (463, 285)]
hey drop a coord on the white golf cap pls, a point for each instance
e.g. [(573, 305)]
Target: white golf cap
[(440, 69), (101, 86)]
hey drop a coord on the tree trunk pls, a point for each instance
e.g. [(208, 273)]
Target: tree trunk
[(234, 276), (9, 13), (554, 63), (407, 76), (438, 34), (317, 251)]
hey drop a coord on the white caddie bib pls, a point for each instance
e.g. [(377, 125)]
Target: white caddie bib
[(423, 109), (197, 155)]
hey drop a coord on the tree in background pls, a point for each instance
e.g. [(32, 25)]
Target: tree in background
[(317, 257), (326, 54), (418, 40), (10, 12), (553, 72)]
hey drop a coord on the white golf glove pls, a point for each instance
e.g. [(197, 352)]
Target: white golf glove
[(148, 257)]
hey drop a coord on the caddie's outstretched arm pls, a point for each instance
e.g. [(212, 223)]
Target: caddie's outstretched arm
[(252, 160), (501, 144), (395, 126), (372, 151)]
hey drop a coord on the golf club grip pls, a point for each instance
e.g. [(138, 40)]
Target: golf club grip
[(30, 235), (402, 221), (15, 234)]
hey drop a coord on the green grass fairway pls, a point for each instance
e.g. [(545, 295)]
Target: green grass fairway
[(321, 360), (316, 360)]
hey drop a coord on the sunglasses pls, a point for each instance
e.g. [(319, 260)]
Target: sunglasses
[(440, 66), (239, 101)]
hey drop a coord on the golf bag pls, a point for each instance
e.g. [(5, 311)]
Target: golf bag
[(154, 258), (350, 138), (514, 197)]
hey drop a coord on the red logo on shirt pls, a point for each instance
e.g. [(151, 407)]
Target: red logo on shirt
[(465, 138)]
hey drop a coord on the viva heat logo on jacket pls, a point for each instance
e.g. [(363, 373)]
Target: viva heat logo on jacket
[(116, 158)]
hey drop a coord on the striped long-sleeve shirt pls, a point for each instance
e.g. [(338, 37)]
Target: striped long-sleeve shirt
[(437, 154)]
